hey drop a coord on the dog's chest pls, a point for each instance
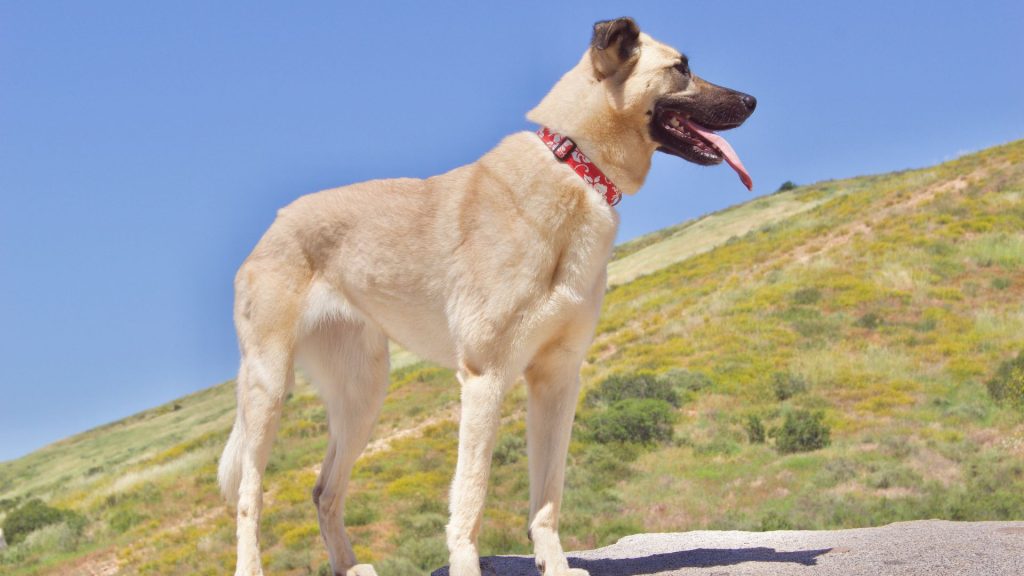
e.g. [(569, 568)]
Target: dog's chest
[(579, 271), (582, 264)]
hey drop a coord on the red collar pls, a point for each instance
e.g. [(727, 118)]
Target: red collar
[(565, 150)]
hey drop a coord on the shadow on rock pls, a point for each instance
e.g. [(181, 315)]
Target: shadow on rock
[(697, 558)]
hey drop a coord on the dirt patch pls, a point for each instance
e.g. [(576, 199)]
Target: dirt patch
[(844, 234), (934, 466), (1013, 441), (804, 253), (848, 487), (98, 564)]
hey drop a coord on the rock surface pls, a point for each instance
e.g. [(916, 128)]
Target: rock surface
[(923, 548)]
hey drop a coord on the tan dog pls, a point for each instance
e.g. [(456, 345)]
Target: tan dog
[(496, 269)]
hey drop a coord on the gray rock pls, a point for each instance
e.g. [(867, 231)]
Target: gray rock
[(923, 548)]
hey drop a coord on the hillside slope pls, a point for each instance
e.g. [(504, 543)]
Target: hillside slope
[(884, 303)]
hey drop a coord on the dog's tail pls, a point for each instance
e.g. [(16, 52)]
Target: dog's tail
[(229, 472)]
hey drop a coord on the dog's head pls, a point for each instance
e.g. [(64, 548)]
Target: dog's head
[(683, 111), (640, 83)]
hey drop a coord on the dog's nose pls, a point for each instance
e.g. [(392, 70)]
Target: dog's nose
[(749, 101)]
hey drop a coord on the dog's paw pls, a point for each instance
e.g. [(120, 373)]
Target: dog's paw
[(560, 569), (464, 562), (361, 570)]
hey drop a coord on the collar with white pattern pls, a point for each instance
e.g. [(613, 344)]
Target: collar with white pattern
[(565, 150)]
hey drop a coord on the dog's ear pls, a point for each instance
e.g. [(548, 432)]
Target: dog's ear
[(614, 43)]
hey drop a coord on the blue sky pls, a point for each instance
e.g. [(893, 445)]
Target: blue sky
[(144, 147)]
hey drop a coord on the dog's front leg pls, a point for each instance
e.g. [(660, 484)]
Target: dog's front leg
[(553, 386), (481, 413)]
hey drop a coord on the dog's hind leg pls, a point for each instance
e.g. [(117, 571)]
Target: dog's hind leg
[(262, 386), (267, 305), (265, 376), (348, 361), (553, 385)]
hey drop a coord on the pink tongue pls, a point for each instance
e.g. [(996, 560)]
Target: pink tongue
[(726, 150)]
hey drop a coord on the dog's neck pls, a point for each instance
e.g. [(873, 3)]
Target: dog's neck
[(578, 106)]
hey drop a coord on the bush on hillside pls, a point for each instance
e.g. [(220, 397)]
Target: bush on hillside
[(755, 429), (8, 504), (425, 553), (55, 538), (871, 320), (786, 385), (32, 516), (394, 566), (806, 296), (619, 387), (775, 521), (361, 509), (1008, 383), (633, 420), (1000, 283), (123, 519), (787, 185), (510, 449), (681, 379), (802, 431), (607, 464)]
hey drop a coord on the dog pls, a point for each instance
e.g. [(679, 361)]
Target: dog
[(496, 269)]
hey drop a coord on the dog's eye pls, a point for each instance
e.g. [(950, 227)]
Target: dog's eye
[(683, 68)]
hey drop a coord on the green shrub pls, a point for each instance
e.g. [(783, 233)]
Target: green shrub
[(719, 445), (1000, 283), (636, 420), (289, 559), (786, 186), (802, 431), (8, 504), (1008, 383), (806, 296), (33, 515), (786, 385), (612, 531), (606, 465), (636, 385), (510, 449), (888, 476), (422, 524), (871, 320), (426, 553), (503, 539), (755, 430), (810, 323), (399, 566), (686, 380), (360, 510), (838, 471), (775, 521), (56, 538), (124, 518), (1006, 250)]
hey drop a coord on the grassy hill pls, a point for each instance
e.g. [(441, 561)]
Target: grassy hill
[(873, 309)]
